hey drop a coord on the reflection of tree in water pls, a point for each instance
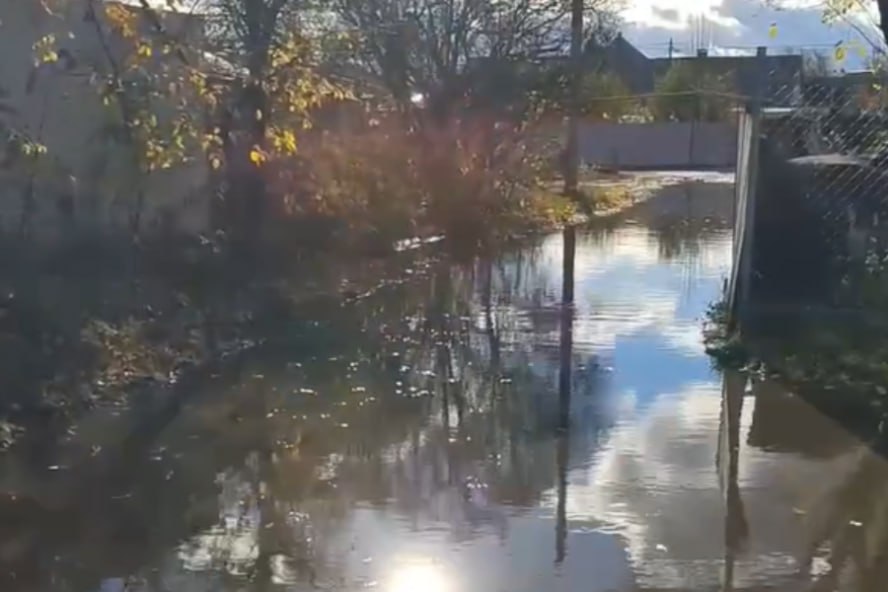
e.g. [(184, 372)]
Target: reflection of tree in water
[(420, 403)]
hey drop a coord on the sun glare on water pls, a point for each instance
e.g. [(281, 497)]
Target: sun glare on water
[(419, 577)]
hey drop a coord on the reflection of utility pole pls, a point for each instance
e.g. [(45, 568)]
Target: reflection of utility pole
[(728, 460), (564, 389)]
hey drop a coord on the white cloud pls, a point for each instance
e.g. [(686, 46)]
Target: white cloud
[(677, 14), (734, 26)]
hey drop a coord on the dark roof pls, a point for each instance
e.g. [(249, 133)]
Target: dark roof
[(626, 61)]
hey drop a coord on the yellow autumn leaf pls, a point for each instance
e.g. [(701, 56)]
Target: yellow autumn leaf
[(840, 52), (257, 157)]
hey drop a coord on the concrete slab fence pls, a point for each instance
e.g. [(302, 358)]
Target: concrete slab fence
[(679, 145)]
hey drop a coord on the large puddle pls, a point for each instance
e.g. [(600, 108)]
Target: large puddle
[(422, 447)]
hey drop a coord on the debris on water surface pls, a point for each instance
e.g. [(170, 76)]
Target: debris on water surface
[(855, 523), (662, 547), (307, 391)]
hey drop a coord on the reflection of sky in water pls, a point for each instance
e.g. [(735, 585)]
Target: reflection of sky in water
[(641, 450), (643, 499)]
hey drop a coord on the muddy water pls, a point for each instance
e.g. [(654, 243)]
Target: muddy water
[(417, 440)]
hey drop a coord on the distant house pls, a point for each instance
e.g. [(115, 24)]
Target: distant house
[(624, 60), (780, 75)]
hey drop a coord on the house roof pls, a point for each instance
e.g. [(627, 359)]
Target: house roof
[(640, 72), (625, 60)]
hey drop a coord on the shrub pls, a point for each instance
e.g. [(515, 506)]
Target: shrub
[(472, 180)]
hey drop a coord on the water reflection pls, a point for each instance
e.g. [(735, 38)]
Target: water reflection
[(467, 430)]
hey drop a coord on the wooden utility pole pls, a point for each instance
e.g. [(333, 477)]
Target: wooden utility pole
[(572, 162), (571, 188)]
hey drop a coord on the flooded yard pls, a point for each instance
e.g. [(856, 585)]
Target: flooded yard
[(415, 441)]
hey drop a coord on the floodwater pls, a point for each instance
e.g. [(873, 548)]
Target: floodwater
[(420, 440)]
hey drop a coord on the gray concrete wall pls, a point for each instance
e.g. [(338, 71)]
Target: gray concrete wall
[(670, 145), (62, 109)]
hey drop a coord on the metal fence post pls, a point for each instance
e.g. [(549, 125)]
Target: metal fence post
[(740, 298)]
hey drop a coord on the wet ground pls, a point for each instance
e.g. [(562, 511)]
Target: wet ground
[(419, 441)]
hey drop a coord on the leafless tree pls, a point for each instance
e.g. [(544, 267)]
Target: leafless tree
[(425, 46)]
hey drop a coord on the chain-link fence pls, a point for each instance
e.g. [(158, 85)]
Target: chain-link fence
[(822, 203)]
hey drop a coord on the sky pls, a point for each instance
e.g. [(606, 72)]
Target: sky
[(730, 26)]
